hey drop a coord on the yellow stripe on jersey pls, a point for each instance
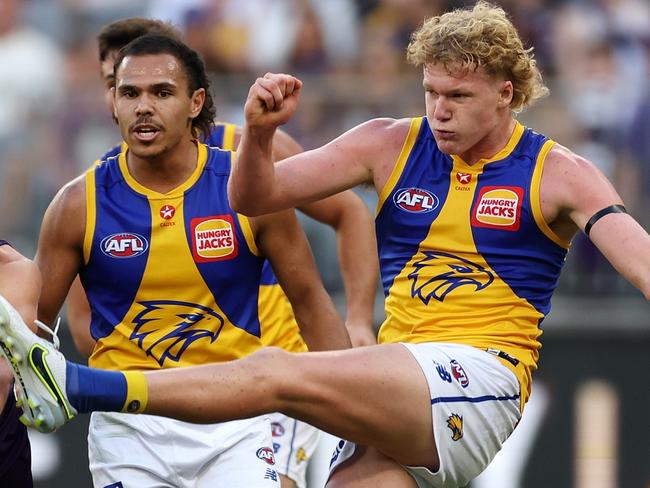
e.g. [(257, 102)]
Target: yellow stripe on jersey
[(249, 235), (91, 211), (535, 202), (228, 137), (411, 137), (279, 326)]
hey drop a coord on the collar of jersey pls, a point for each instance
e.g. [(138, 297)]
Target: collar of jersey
[(179, 190), (515, 137)]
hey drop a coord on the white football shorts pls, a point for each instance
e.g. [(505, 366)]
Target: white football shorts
[(474, 406), (147, 451), (294, 443)]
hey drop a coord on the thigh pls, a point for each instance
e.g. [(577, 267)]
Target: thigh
[(374, 395), (294, 443), (364, 467)]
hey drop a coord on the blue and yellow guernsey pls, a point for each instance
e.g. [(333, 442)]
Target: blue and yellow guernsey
[(279, 326), (465, 254), (172, 279)]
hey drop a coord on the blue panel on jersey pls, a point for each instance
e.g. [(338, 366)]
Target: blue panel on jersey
[(206, 198), (119, 249), (399, 231), (536, 282), (268, 277)]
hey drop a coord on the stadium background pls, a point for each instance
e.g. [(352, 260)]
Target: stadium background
[(589, 426)]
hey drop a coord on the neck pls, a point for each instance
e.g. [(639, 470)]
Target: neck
[(492, 143), (165, 171)]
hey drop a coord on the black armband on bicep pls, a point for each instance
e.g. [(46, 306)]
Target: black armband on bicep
[(4, 243), (601, 213)]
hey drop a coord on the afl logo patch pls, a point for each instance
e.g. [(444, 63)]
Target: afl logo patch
[(459, 373), (415, 200), (266, 455), (498, 208), (124, 245), (213, 238)]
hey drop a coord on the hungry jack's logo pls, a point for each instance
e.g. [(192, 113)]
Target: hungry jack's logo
[(213, 238), (498, 208)]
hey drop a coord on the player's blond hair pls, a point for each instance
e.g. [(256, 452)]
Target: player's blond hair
[(482, 37)]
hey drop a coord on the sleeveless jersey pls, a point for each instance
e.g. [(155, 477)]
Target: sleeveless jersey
[(279, 326), (465, 254), (172, 279)]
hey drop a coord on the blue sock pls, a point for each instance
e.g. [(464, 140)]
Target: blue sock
[(90, 389)]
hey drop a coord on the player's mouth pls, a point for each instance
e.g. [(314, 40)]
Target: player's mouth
[(145, 132), (443, 134)]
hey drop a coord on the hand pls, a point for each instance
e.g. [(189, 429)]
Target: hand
[(272, 100), (361, 334)]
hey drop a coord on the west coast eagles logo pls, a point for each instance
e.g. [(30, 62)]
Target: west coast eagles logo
[(455, 424), (166, 328), (456, 272)]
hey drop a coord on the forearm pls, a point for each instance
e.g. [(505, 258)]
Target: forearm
[(252, 172), (357, 251), (320, 324)]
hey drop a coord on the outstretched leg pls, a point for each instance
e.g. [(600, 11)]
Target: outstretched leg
[(374, 395)]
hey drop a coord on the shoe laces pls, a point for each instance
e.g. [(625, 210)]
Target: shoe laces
[(54, 333)]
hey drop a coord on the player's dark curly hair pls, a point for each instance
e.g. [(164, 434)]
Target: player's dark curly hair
[(118, 34), (191, 62)]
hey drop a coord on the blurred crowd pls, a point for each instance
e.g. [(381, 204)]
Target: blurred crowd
[(594, 54)]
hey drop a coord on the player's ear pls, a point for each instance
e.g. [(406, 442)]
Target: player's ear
[(197, 100), (506, 92)]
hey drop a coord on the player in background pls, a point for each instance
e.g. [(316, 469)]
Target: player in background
[(294, 441), (172, 274)]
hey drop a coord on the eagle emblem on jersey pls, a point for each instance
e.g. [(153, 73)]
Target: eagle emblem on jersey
[(452, 272), (166, 328), (455, 424)]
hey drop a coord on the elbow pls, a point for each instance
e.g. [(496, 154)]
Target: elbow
[(241, 204)]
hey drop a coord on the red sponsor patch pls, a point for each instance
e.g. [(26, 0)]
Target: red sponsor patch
[(498, 207), (464, 178), (213, 238), (167, 212)]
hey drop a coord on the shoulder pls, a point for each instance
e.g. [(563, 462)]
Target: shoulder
[(71, 198), (385, 129), (574, 187)]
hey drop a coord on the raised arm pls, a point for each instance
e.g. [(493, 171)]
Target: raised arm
[(282, 241), (350, 218), (59, 254), (306, 177), (573, 191)]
